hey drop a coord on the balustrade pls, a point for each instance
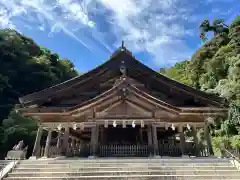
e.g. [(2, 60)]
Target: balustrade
[(165, 148), (82, 150), (169, 148), (115, 150)]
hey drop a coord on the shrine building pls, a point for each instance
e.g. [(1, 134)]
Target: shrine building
[(122, 108)]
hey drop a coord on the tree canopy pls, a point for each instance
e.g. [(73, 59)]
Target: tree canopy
[(25, 68), (215, 68)]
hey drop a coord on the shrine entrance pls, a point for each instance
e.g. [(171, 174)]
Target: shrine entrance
[(123, 136), (123, 142)]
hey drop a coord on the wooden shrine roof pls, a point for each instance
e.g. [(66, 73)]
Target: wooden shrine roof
[(111, 70), (119, 93)]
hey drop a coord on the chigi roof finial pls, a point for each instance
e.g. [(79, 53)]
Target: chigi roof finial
[(122, 44)]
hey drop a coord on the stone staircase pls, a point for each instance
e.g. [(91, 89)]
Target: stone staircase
[(3, 163), (126, 168)]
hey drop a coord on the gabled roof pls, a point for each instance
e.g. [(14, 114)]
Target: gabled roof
[(113, 65), (116, 91)]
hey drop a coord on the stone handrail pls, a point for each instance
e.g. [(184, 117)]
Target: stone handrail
[(8, 168), (232, 155), (236, 161)]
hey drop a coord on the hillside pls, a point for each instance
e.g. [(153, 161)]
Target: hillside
[(25, 68), (215, 68)]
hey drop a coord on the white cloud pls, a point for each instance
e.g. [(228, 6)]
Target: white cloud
[(155, 26), (67, 16), (151, 25)]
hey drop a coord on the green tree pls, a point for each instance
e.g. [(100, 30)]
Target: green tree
[(218, 27), (24, 65), (215, 68)]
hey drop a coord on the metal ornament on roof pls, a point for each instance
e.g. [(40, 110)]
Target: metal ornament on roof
[(123, 68), (188, 127), (124, 92), (123, 47), (173, 127)]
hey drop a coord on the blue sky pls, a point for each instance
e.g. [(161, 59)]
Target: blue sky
[(158, 32)]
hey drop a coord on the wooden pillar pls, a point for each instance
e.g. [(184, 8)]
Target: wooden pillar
[(59, 140), (48, 143), (37, 145), (73, 143), (94, 139), (182, 139), (77, 144), (101, 139), (65, 140), (196, 142), (155, 142), (150, 138), (207, 137), (141, 135)]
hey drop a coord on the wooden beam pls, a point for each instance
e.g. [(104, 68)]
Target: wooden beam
[(140, 108), (83, 87), (155, 103), (56, 93), (107, 105), (153, 75)]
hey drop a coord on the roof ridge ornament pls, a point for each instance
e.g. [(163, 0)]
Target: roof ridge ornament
[(123, 48), (122, 44), (123, 68)]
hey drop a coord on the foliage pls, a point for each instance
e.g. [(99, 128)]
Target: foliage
[(25, 68), (178, 72), (218, 28), (215, 68), (220, 142), (234, 114), (24, 65), (235, 141), (18, 128)]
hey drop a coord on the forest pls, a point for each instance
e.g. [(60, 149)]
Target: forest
[(214, 68), (25, 68)]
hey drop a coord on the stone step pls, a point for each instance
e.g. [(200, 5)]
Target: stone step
[(4, 162), (113, 168), (121, 172), (133, 177), (79, 165), (157, 160)]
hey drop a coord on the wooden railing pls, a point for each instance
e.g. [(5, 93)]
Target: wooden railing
[(165, 149), (173, 148), (82, 150), (115, 150), (124, 150), (53, 151)]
